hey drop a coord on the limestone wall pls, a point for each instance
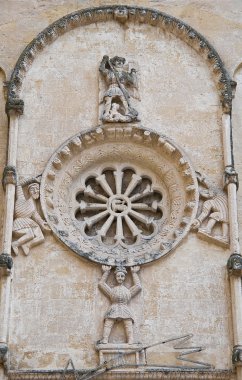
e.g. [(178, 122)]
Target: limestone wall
[(56, 308)]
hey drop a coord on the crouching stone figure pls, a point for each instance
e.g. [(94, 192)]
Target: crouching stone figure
[(28, 224)]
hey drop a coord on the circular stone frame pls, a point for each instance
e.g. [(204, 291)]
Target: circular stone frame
[(87, 154)]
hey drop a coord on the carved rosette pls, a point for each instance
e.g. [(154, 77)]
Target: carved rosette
[(119, 195)]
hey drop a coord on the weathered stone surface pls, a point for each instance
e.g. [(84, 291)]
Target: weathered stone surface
[(56, 307)]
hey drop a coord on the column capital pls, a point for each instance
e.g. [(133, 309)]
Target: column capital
[(234, 265)]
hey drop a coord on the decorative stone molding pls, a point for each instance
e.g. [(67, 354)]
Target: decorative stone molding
[(129, 374), (237, 355), (9, 176), (122, 195), (122, 14), (234, 265), (231, 176)]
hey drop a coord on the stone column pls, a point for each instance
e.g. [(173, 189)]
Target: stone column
[(235, 260), (9, 182)]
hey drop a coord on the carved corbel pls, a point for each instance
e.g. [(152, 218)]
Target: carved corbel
[(237, 355), (6, 264), (9, 176), (3, 354), (14, 104), (234, 265), (231, 176)]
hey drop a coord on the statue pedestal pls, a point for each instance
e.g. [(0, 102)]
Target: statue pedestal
[(220, 240), (120, 354)]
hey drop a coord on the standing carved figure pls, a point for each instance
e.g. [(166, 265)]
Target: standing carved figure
[(120, 297), (117, 107), (214, 211), (27, 223)]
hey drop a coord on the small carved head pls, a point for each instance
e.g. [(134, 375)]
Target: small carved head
[(115, 107), (117, 62), (34, 190), (120, 273), (207, 193), (121, 14)]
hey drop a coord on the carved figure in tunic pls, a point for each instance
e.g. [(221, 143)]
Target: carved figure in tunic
[(215, 210), (27, 223), (117, 107), (120, 296)]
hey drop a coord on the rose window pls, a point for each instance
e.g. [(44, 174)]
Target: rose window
[(119, 195), (119, 206)]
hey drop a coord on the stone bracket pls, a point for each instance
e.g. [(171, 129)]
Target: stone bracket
[(9, 176), (234, 265), (231, 176), (119, 353), (237, 355)]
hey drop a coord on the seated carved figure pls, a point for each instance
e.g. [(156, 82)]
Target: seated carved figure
[(120, 296), (27, 223)]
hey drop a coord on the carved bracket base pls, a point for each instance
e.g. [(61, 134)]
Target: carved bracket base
[(237, 355), (234, 265), (120, 354), (220, 240)]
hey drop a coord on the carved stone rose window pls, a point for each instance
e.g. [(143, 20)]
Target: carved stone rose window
[(119, 206), (119, 195)]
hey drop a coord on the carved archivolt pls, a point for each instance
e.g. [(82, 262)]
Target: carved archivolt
[(119, 195), (122, 14)]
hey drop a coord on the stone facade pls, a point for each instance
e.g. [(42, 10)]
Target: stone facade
[(147, 180)]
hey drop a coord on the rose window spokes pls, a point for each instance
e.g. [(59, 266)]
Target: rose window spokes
[(119, 207)]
